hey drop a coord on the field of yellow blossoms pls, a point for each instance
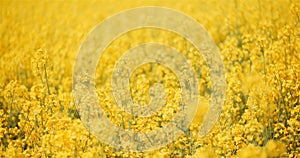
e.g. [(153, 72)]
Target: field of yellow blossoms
[(259, 41)]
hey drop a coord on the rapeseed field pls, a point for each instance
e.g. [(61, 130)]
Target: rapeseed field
[(259, 41)]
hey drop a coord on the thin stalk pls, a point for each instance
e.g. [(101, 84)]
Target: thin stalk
[(46, 77)]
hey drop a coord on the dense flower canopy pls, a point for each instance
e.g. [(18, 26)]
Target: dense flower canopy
[(259, 42)]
